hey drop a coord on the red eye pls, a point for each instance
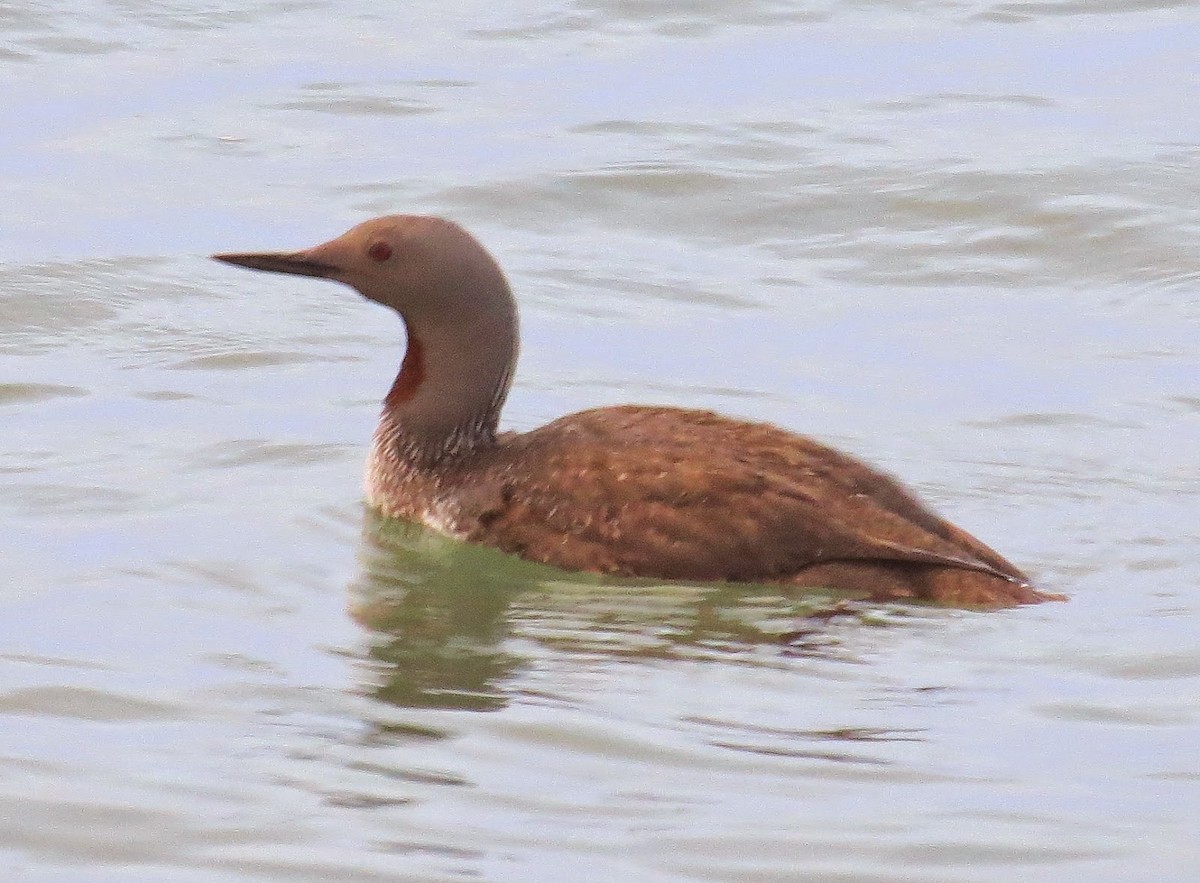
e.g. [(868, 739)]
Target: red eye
[(379, 252)]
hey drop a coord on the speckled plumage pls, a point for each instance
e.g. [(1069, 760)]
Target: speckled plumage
[(633, 491)]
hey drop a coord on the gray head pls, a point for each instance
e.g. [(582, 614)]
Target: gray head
[(422, 267), (457, 308)]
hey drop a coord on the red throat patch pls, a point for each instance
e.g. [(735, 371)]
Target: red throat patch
[(411, 376)]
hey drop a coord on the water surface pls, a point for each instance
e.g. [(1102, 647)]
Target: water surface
[(956, 238)]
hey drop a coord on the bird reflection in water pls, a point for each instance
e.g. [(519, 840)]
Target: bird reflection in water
[(452, 625)]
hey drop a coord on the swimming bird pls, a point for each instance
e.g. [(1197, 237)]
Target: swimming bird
[(631, 491)]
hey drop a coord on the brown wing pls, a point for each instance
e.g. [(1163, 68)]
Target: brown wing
[(680, 494)]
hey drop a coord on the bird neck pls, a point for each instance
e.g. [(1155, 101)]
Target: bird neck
[(445, 401)]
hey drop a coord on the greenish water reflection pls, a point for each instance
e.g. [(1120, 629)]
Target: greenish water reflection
[(453, 624)]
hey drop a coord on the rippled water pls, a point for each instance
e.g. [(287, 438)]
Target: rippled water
[(957, 238)]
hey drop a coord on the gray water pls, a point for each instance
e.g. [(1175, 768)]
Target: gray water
[(959, 239)]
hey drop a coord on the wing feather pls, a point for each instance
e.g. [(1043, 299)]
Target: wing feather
[(683, 494)]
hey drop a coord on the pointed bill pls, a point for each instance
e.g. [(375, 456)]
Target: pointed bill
[(295, 263)]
